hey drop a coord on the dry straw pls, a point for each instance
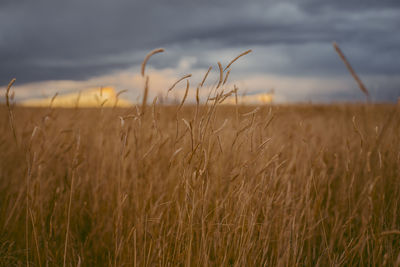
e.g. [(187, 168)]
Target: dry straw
[(155, 51), (351, 70), (145, 95), (226, 77), (181, 79), (205, 77), (10, 111), (221, 75), (52, 99), (8, 91), (236, 58), (184, 97)]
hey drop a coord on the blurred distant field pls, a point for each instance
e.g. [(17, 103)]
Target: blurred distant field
[(213, 185)]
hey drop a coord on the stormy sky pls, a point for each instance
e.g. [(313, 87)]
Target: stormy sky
[(52, 46)]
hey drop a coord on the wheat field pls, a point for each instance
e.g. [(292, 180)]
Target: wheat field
[(206, 185), (201, 183)]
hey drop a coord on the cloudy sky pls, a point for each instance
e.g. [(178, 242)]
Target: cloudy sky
[(61, 46)]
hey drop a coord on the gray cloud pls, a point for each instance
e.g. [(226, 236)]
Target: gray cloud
[(51, 40)]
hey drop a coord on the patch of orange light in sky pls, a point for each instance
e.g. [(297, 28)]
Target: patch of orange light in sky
[(94, 97)]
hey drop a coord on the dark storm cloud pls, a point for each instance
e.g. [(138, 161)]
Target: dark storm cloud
[(43, 34), (52, 40), (352, 5)]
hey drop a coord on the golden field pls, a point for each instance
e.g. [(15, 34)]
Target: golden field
[(200, 185)]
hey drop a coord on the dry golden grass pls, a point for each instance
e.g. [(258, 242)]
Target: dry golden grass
[(200, 185), (310, 187)]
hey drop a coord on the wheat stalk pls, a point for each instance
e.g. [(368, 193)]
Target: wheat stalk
[(226, 77), (75, 163), (145, 94), (351, 70), (205, 77), (10, 111), (155, 51), (184, 77), (184, 97), (221, 75), (236, 58)]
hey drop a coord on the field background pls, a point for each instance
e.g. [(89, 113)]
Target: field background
[(208, 185)]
